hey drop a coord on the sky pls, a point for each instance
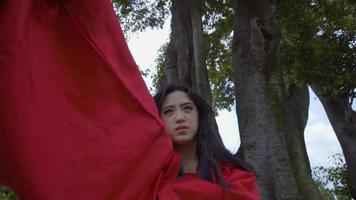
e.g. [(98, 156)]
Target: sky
[(320, 138)]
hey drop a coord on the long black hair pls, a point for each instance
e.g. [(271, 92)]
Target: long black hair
[(210, 147)]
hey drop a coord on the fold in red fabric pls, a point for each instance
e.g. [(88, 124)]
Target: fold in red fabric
[(76, 119), (241, 186)]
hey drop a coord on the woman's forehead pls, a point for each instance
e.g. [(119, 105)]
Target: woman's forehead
[(176, 98)]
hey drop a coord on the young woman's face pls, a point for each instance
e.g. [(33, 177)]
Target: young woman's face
[(180, 116)]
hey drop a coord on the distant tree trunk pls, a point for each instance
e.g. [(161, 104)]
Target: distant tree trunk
[(200, 80), (271, 136), (343, 121), (296, 117), (170, 68), (186, 52)]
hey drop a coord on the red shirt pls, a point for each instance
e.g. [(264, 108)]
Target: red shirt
[(241, 186)]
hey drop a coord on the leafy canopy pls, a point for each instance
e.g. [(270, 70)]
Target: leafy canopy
[(320, 44)]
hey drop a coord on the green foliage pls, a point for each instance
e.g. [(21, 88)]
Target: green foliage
[(334, 181), (138, 15), (220, 71), (325, 192), (319, 45), (218, 23), (161, 62), (7, 194)]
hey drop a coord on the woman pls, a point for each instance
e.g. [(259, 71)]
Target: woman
[(188, 119)]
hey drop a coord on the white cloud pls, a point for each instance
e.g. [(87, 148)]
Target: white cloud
[(312, 117), (320, 139), (228, 128), (144, 48), (321, 143)]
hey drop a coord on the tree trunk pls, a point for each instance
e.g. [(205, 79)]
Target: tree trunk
[(271, 136), (343, 121), (171, 71), (181, 42), (296, 112), (186, 52), (201, 79)]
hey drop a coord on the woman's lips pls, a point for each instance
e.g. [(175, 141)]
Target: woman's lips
[(181, 128)]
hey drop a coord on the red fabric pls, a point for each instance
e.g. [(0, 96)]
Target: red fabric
[(76, 119), (241, 187)]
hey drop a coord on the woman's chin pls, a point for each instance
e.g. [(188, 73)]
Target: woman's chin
[(183, 141)]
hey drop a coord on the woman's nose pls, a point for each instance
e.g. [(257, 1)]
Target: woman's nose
[(180, 116)]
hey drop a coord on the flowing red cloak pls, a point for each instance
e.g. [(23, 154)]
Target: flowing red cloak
[(76, 119)]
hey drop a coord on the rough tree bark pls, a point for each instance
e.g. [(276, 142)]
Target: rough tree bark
[(296, 117), (343, 121), (271, 136), (186, 52)]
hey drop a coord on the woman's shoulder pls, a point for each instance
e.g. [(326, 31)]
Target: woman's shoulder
[(241, 182), (229, 170)]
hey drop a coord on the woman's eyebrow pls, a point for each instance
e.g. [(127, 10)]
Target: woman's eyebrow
[(186, 103), (169, 106)]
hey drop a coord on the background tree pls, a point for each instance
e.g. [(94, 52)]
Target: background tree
[(186, 53), (272, 112), (334, 180), (320, 50)]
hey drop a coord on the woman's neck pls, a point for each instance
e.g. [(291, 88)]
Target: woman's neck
[(189, 156)]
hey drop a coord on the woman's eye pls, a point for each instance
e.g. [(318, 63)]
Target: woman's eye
[(188, 108), (168, 112)]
